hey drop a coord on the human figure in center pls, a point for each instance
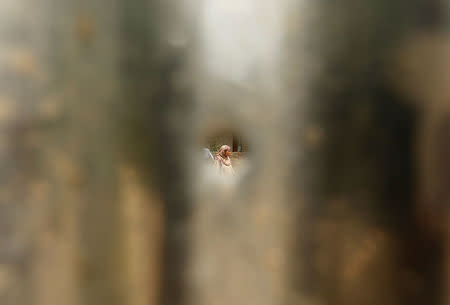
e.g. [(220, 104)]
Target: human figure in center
[(223, 161)]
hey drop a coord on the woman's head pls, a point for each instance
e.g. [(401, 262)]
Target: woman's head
[(224, 151)]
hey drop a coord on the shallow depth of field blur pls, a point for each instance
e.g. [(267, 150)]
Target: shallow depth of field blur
[(239, 152)]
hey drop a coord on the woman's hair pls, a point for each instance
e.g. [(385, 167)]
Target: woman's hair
[(223, 149)]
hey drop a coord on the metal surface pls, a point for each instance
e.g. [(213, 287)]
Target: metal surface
[(343, 198)]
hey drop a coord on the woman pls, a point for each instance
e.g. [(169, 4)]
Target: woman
[(223, 161)]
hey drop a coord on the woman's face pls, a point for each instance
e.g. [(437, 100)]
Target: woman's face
[(227, 153)]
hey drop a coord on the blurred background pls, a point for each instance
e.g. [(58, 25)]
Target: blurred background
[(337, 115)]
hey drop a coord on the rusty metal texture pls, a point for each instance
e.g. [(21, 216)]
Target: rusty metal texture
[(341, 198)]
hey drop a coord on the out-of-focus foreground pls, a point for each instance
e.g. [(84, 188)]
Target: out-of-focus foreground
[(343, 199)]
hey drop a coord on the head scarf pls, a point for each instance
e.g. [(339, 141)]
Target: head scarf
[(221, 157)]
